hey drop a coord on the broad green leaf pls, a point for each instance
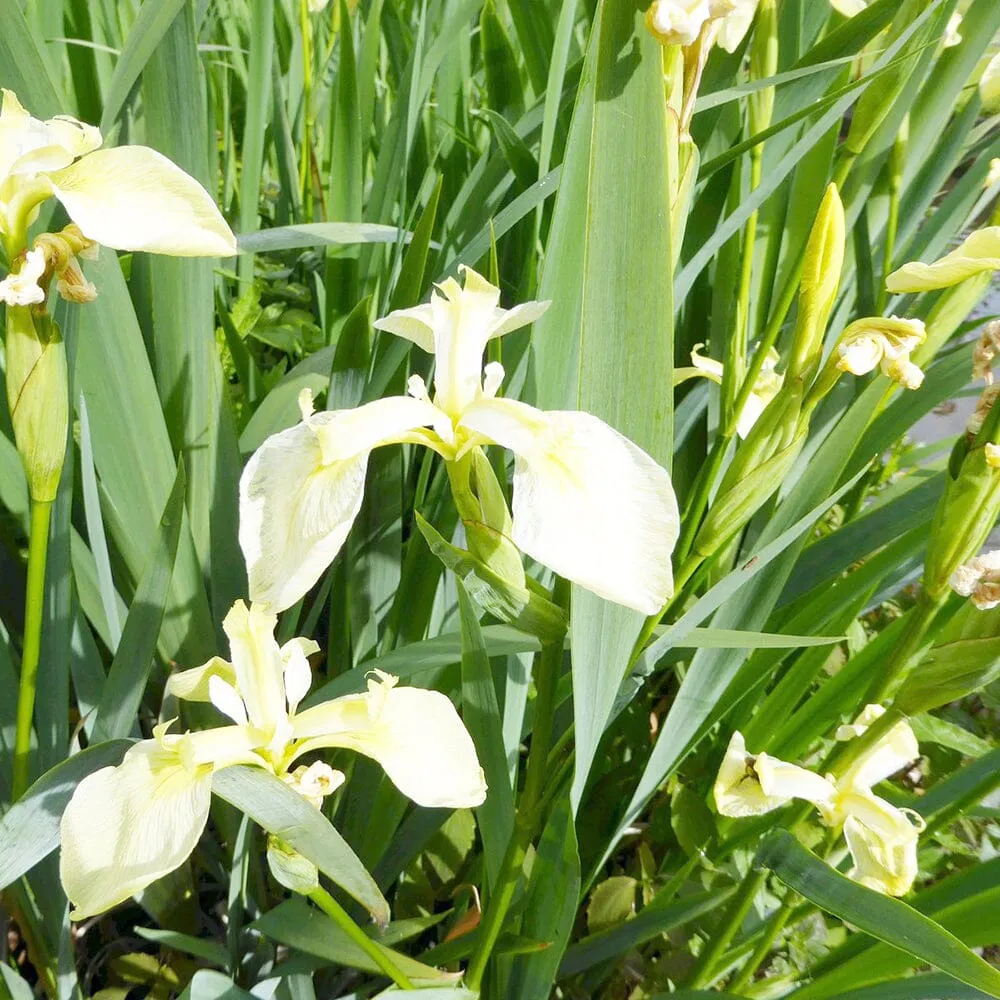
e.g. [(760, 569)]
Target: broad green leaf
[(151, 24), (318, 234), (303, 927), (271, 804), (481, 713), (133, 660), (889, 920), (613, 197), (203, 948), (29, 830)]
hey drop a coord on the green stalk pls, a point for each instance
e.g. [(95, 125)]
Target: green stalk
[(305, 167), (528, 813), (371, 948), (702, 973), (38, 545), (774, 927)]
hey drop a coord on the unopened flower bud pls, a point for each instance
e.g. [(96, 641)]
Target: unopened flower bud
[(291, 869), (38, 397), (824, 259), (953, 33), (989, 86)]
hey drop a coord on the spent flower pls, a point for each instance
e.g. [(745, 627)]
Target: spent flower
[(979, 579), (129, 825), (882, 838), (588, 503), (985, 352)]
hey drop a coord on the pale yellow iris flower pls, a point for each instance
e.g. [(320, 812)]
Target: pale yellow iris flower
[(129, 825), (882, 838), (978, 252), (127, 198), (767, 385), (877, 342), (680, 22), (588, 503)]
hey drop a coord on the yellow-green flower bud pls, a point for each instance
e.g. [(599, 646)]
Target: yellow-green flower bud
[(824, 259), (989, 86), (38, 397), (290, 869), (963, 520), (483, 509)]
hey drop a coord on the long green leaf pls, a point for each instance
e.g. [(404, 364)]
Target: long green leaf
[(882, 917)]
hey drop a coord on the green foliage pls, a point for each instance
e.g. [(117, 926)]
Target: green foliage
[(362, 153)]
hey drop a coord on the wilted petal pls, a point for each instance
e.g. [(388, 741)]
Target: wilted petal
[(134, 198), (302, 489), (416, 735), (883, 843), (588, 503), (22, 288), (979, 252), (860, 356), (127, 826)]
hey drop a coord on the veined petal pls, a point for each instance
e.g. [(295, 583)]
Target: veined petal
[(979, 252), (588, 503), (416, 735), (134, 198), (257, 661), (192, 685), (890, 754), (416, 325), (302, 489), (883, 843), (750, 785), (508, 320), (127, 826), (218, 748)]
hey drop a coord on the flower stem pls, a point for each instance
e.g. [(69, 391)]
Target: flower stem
[(774, 927), (38, 544), (528, 818), (379, 955), (702, 974)]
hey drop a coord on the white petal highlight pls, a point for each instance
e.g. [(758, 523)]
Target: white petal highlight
[(134, 198), (22, 288), (416, 735), (127, 826), (588, 503)]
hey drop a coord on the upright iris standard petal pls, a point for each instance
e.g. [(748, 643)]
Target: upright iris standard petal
[(134, 198), (588, 503), (257, 661), (127, 826), (302, 489), (416, 735), (979, 252)]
